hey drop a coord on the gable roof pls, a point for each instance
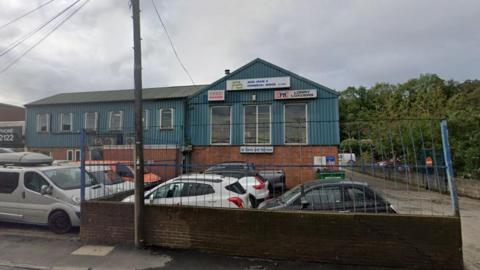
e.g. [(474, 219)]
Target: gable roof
[(259, 60), (118, 95)]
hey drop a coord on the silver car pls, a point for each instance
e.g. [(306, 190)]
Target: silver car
[(44, 195)]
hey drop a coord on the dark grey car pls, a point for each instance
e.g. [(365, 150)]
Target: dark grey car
[(333, 195)]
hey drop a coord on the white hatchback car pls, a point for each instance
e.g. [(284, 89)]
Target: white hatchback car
[(208, 190)]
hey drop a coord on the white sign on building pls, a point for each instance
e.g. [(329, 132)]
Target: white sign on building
[(295, 94), (216, 95), (256, 149), (259, 83)]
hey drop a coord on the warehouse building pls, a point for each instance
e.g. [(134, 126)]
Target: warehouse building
[(259, 113)]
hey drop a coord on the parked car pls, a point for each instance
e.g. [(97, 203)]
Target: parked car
[(331, 195), (346, 159), (198, 190), (125, 170), (33, 191), (256, 185), (111, 182), (275, 178)]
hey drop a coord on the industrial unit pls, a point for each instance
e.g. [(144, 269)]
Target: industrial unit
[(259, 113)]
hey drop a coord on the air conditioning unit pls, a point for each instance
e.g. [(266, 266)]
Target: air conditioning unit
[(96, 141), (129, 140), (109, 141)]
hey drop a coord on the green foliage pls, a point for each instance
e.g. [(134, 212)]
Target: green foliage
[(369, 113)]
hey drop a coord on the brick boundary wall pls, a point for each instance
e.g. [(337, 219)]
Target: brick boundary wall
[(420, 242), (290, 155)]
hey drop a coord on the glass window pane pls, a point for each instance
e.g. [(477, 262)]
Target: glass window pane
[(90, 121), (66, 119), (42, 122), (250, 124), (295, 123), (263, 124), (116, 120), (166, 118), (220, 125)]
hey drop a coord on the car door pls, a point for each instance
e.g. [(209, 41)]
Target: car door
[(168, 194), (324, 199), (36, 206), (10, 197), (199, 194), (363, 199)]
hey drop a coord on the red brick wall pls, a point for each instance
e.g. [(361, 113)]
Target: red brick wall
[(301, 156), (413, 242)]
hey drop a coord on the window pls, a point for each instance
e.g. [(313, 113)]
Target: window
[(9, 182), (196, 189), (220, 125), (296, 123), (77, 155), (91, 120), (257, 124), (166, 118), (145, 119), (73, 155), (43, 122), (324, 198), (66, 122), (169, 191), (34, 181), (115, 120)]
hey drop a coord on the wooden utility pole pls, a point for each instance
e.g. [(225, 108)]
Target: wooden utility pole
[(139, 162)]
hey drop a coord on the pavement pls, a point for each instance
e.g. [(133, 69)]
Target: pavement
[(36, 248)]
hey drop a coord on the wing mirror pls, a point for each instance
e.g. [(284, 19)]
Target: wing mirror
[(46, 190)]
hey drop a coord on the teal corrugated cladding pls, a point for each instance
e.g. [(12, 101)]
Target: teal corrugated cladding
[(323, 126), (152, 135)]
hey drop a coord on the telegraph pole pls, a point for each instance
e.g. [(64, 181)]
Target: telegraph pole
[(139, 162)]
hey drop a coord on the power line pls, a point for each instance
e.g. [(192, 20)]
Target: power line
[(44, 37), (171, 42), (26, 14), (16, 43)]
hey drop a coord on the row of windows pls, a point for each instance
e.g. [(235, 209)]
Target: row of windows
[(258, 124), (115, 120)]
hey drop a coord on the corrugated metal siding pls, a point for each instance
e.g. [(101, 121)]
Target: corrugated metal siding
[(56, 138), (323, 115)]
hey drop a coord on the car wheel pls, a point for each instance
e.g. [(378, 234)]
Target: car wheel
[(59, 222)]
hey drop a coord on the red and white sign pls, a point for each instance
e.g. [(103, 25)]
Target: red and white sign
[(216, 95), (294, 94)]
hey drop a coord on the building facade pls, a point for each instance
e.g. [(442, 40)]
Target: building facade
[(259, 113)]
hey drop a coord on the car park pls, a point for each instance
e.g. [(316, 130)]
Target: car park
[(207, 190), (275, 178), (255, 185), (331, 195), (35, 192)]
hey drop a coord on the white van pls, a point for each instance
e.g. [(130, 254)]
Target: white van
[(346, 159), (41, 194)]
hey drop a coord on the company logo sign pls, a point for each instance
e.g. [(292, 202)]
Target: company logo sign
[(259, 83), (11, 137), (216, 95), (295, 94)]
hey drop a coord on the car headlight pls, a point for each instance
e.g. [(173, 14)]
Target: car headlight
[(76, 200)]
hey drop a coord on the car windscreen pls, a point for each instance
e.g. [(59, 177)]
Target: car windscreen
[(290, 194), (68, 178), (107, 177)]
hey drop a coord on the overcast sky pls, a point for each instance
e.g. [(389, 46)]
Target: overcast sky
[(335, 43)]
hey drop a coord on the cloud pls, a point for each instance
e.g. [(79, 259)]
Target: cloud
[(336, 43)]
